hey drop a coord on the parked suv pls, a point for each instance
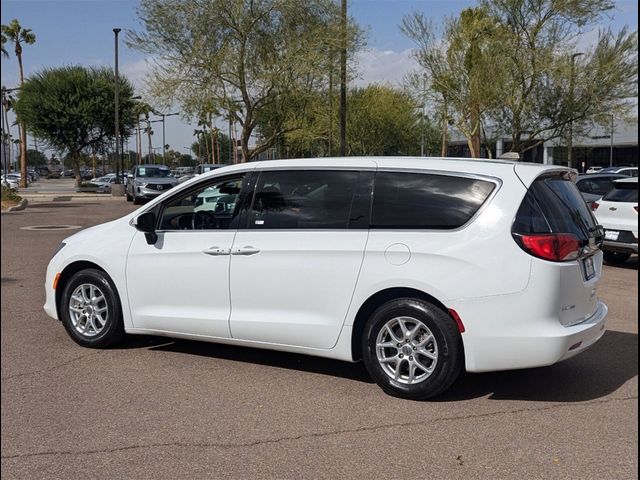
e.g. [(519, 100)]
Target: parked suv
[(617, 211), (419, 267), (148, 181)]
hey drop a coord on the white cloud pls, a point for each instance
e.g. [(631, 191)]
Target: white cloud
[(383, 66)]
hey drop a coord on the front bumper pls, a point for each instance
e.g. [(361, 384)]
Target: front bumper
[(146, 192)]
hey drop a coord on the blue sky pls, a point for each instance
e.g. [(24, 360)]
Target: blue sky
[(80, 32)]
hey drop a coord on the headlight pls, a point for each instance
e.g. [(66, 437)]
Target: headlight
[(140, 184), (60, 247)]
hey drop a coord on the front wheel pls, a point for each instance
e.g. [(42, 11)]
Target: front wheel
[(412, 349), (616, 258), (90, 309)]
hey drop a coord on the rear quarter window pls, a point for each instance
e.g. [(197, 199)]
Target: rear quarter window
[(403, 200), (553, 204)]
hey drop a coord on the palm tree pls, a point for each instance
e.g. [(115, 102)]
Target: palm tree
[(13, 32)]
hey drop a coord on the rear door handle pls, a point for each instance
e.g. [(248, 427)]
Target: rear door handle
[(217, 251), (248, 250)]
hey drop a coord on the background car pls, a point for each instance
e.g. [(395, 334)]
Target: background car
[(594, 186), (617, 212), (53, 174), (628, 171), (148, 181), (104, 184), (10, 181), (593, 169)]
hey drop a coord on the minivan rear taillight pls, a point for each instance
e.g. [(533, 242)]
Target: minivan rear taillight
[(556, 247)]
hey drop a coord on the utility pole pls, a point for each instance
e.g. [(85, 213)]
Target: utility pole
[(117, 107), (571, 102), (343, 78), (611, 145), (5, 137)]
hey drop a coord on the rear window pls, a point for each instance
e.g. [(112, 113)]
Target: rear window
[(623, 192), (553, 204), (426, 201)]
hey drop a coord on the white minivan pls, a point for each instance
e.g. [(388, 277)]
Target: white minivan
[(420, 267)]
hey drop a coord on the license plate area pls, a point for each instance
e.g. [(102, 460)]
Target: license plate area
[(588, 268), (611, 235)]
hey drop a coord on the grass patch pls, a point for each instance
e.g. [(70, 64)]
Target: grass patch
[(9, 198)]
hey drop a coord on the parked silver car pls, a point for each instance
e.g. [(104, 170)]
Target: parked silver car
[(148, 181)]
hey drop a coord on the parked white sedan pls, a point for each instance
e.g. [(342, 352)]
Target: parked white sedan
[(617, 211)]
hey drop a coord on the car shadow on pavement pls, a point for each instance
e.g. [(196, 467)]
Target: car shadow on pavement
[(631, 264), (292, 361), (593, 374)]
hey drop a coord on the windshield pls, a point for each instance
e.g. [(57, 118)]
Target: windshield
[(623, 192), (153, 172)]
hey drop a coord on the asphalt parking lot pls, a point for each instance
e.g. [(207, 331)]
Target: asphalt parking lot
[(158, 408)]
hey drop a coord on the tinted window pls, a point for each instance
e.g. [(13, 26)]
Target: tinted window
[(553, 204), (416, 200), (153, 172), (623, 192), (213, 206), (597, 186), (302, 200)]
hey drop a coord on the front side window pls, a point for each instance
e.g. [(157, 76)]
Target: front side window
[(212, 206), (426, 201), (302, 199)]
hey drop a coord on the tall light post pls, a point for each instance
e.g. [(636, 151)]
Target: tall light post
[(116, 31), (343, 78), (570, 136), (611, 145), (164, 142)]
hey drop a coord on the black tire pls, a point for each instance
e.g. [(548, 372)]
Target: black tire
[(616, 258), (129, 197), (113, 330), (450, 359), (136, 200)]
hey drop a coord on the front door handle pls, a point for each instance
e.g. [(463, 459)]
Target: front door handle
[(248, 250), (216, 251)]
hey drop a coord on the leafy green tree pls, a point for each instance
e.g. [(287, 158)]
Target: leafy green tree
[(460, 67), (35, 158), (382, 120), (201, 148), (544, 91), (240, 57), (71, 109), (15, 33)]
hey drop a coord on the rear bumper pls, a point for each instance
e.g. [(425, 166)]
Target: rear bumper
[(620, 246), (544, 343)]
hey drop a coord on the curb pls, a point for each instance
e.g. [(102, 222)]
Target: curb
[(21, 206)]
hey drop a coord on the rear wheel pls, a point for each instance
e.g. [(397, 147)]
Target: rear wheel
[(616, 258), (90, 309), (412, 349)]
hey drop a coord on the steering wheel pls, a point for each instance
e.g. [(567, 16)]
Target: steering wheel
[(204, 220)]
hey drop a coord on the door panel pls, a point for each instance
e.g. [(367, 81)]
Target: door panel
[(296, 259), (297, 289), (174, 286), (181, 283)]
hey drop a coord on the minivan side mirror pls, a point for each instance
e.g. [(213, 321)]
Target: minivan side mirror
[(146, 223), (129, 175)]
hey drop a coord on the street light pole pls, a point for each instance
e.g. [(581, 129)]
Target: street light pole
[(117, 106), (571, 82), (611, 145)]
